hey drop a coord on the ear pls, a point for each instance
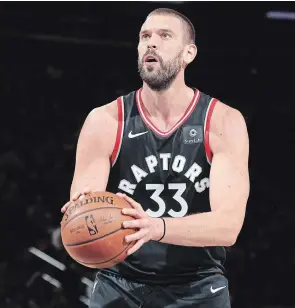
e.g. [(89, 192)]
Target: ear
[(190, 52)]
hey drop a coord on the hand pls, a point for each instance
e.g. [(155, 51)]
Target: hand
[(75, 197), (148, 228)]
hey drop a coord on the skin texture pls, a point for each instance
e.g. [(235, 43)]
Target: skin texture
[(163, 36)]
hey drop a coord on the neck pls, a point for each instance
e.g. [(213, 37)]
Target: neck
[(167, 103)]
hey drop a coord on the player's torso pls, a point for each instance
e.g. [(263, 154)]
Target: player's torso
[(167, 173)]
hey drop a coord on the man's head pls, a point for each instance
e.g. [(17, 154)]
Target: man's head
[(166, 46)]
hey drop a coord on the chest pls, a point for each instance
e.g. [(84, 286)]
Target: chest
[(146, 155)]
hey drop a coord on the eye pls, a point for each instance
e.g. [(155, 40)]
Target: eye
[(165, 35), (145, 36)]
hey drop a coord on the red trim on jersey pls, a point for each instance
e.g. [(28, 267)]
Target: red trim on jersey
[(207, 129), (149, 123), (119, 131)]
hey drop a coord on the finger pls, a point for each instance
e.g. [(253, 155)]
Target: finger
[(132, 202), (75, 196), (131, 212), (135, 224), (82, 197), (64, 208), (135, 247), (136, 236)]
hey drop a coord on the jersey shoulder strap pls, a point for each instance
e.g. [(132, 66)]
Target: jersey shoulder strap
[(125, 106), (203, 115)]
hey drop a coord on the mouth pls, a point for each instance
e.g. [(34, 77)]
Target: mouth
[(150, 59)]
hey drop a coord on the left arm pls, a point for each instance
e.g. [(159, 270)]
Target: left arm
[(229, 191)]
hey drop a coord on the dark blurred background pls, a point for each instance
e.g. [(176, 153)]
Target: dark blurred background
[(61, 60)]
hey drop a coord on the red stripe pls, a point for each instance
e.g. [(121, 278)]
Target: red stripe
[(207, 130), (119, 130), (149, 123)]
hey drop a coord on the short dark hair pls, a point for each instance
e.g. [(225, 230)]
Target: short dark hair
[(191, 33)]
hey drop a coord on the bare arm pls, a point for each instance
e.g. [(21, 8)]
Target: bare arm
[(229, 188), (94, 149)]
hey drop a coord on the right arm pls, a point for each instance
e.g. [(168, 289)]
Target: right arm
[(94, 149)]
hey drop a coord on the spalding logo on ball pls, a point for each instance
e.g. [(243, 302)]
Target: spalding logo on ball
[(92, 231)]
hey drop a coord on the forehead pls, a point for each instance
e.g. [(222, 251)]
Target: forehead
[(168, 22)]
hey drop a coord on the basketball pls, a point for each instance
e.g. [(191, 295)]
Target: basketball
[(92, 231)]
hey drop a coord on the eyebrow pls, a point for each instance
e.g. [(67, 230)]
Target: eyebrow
[(161, 30)]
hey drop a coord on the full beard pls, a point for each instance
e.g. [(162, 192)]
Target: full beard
[(160, 79)]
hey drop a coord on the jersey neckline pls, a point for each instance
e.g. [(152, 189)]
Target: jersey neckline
[(146, 119)]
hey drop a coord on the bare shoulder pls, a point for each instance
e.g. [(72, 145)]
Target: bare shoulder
[(108, 112), (228, 129), (100, 126)]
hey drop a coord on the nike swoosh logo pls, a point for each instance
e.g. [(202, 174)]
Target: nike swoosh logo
[(130, 135), (217, 289)]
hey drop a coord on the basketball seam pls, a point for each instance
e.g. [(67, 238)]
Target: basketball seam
[(92, 240), (97, 208), (90, 263)]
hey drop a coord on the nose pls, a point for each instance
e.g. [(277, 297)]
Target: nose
[(152, 46), (152, 43)]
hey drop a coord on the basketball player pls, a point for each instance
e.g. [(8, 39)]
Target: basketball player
[(159, 147)]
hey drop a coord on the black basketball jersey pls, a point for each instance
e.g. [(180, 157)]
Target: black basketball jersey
[(168, 174)]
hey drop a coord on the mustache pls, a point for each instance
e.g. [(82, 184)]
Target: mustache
[(152, 53)]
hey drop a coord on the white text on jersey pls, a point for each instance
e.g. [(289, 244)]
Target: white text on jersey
[(178, 165)]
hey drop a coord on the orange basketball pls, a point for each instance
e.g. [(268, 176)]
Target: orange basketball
[(92, 231)]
